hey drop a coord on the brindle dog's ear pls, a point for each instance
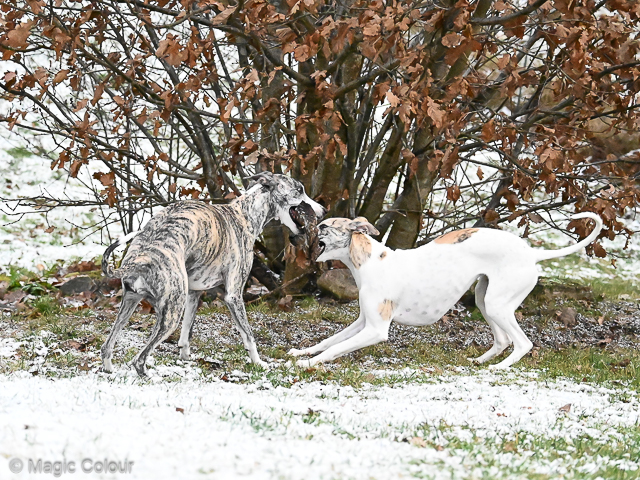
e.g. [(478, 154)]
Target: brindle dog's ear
[(265, 179), (362, 225)]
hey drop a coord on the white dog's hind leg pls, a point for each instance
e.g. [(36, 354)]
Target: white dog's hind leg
[(521, 344), (501, 300), (341, 336), (500, 339)]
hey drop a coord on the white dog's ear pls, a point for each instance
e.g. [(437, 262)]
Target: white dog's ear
[(362, 225)]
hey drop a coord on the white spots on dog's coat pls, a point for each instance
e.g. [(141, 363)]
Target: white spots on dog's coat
[(360, 249)]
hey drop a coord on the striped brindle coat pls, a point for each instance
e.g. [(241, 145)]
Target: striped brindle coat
[(191, 247)]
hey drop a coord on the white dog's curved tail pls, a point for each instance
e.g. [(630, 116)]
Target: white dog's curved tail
[(548, 254)]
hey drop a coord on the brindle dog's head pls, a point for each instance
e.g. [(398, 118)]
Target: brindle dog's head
[(285, 194), (335, 237)]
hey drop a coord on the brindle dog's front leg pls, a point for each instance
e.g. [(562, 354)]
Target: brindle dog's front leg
[(234, 302)]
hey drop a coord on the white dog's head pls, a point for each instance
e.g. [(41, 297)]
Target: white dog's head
[(285, 194), (342, 239)]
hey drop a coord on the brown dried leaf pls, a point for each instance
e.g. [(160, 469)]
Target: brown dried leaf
[(452, 39), (17, 38), (60, 76), (223, 16)]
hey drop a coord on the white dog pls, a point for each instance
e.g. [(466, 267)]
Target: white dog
[(417, 287)]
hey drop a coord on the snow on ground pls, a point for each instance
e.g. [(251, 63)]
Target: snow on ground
[(310, 430)]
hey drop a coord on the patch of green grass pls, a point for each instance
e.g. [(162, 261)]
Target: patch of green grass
[(550, 295), (308, 303), (63, 328), (46, 305), (592, 365), (615, 288), (18, 275), (259, 307), (19, 153), (212, 308)]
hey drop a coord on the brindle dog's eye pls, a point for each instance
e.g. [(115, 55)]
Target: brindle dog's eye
[(300, 189)]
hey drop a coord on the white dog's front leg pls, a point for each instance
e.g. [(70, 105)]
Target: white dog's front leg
[(370, 335), (342, 335)]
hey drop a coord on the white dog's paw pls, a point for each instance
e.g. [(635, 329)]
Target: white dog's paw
[(497, 367), (297, 353), (473, 360), (261, 363), (304, 363)]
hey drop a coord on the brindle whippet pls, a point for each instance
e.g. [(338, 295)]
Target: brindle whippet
[(192, 246)]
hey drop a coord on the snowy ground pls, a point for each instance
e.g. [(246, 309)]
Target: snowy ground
[(482, 426)]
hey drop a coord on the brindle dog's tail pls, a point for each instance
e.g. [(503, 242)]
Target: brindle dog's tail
[(106, 268)]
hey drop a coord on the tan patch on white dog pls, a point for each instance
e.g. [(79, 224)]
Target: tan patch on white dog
[(360, 249), (457, 236), (385, 309)]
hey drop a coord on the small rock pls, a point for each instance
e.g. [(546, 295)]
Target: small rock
[(79, 284), (340, 284)]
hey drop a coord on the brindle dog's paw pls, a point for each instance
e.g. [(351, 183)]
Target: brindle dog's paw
[(185, 354)]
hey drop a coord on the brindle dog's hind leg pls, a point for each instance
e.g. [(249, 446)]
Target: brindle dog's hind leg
[(187, 323), (169, 304), (128, 305)]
